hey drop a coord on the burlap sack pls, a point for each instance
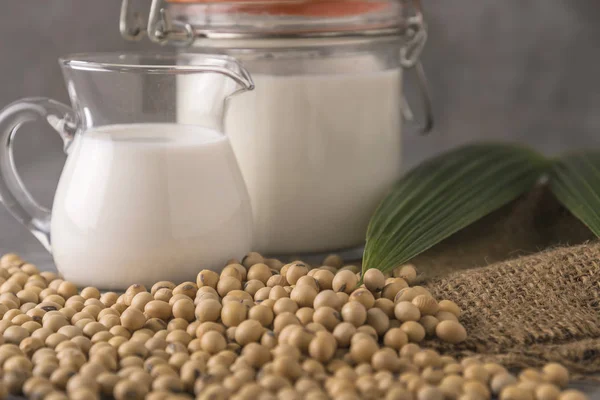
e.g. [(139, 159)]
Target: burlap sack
[(533, 308)]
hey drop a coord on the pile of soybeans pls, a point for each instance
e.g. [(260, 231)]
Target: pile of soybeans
[(258, 330)]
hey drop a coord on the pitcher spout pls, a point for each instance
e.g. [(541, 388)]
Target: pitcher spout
[(240, 74), (229, 67)]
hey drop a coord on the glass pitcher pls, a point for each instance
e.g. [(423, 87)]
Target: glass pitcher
[(141, 198)]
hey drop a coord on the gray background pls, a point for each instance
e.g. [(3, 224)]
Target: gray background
[(523, 70)]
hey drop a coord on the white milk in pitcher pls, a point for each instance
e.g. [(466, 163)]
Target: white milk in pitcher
[(318, 152), (148, 202)]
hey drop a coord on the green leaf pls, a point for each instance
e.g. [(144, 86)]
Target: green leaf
[(575, 181), (444, 195)]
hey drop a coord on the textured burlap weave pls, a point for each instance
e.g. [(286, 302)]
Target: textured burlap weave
[(533, 307)]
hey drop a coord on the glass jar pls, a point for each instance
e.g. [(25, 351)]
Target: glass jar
[(319, 140)]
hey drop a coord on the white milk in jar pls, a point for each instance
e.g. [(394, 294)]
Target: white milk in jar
[(165, 199), (318, 152)]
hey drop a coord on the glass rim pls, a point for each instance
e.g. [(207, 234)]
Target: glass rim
[(157, 63), (148, 62)]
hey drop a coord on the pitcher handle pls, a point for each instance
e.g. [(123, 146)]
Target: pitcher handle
[(13, 194)]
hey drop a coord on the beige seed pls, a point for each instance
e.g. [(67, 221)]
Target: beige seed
[(93, 327), (108, 298), (188, 289), (67, 289), (572, 395), (132, 348), (450, 306), (414, 331), (451, 332), (248, 331), (408, 272), (253, 286), (276, 280), (369, 331), (287, 367), (493, 368), (184, 309), (374, 280), (385, 359), (324, 279), (256, 355), (304, 295), (231, 271), (502, 380), (429, 392), (283, 320), (133, 319), (556, 374), (513, 392), (344, 281), (405, 294), (343, 297), (476, 372), (264, 315), (426, 304), (530, 374), (15, 334), (406, 311), (273, 263), (354, 313), (333, 260), (363, 296), (158, 309), (390, 290), (353, 268), (208, 278), (343, 334), (305, 315), (295, 271), (140, 300), (208, 310), (363, 350), (385, 305), (378, 320), (178, 336), (395, 338), (446, 316), (327, 298), (322, 347), (278, 292), (547, 391), (161, 295), (252, 258), (285, 304), (129, 390), (429, 323), (260, 272), (227, 284), (328, 317), (54, 322), (233, 313)]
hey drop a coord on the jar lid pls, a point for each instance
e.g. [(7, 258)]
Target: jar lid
[(183, 21), (312, 8)]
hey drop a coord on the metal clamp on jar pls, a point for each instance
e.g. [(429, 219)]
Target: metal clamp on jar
[(319, 140)]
